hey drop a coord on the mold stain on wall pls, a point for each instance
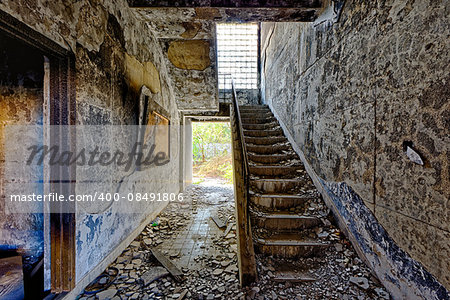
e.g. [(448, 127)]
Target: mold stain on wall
[(350, 95)]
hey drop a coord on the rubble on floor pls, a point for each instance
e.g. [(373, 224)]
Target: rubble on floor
[(186, 235)]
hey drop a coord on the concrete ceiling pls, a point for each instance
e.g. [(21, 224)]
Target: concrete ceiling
[(238, 11), (186, 31), (228, 3)]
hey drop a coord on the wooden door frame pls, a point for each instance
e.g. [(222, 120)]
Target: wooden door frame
[(61, 110)]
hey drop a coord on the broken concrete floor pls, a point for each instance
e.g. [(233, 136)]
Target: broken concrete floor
[(186, 234)]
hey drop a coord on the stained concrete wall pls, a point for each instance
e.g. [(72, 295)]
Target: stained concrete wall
[(108, 88), (116, 54), (350, 94), (189, 48), (21, 103)]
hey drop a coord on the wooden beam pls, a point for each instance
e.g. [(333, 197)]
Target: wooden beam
[(62, 178), (173, 270), (246, 251)]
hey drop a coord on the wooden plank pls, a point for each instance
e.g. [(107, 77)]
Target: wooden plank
[(11, 278), (183, 294), (37, 267), (221, 224), (230, 225), (173, 270), (62, 217)]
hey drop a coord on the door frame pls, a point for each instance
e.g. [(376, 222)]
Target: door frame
[(60, 109)]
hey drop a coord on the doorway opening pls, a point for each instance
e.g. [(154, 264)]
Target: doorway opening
[(37, 90), (211, 149), (21, 104)]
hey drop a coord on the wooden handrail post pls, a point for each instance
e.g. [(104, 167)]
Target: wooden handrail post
[(246, 252)]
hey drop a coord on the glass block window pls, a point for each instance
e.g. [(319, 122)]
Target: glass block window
[(237, 50)]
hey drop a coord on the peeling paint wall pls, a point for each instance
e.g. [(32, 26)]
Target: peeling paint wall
[(109, 82), (350, 94), (21, 103), (189, 49), (116, 54)]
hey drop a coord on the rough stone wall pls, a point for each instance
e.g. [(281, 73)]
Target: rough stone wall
[(116, 54), (21, 103), (351, 93)]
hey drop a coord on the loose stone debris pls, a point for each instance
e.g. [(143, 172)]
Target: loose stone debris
[(154, 274), (173, 270), (189, 238)]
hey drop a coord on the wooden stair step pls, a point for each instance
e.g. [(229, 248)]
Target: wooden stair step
[(269, 158), (266, 126), (265, 140), (283, 221), (258, 114), (275, 170), (289, 245), (286, 271), (253, 112), (278, 201), (289, 239), (272, 185), (253, 107), (257, 120), (263, 133), (265, 149)]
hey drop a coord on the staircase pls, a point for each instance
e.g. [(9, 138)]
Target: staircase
[(285, 210)]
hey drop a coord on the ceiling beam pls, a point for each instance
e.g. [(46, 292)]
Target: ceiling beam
[(228, 3)]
